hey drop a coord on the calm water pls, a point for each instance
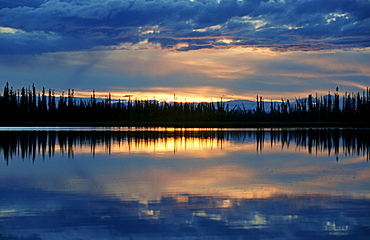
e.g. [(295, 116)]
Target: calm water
[(123, 183)]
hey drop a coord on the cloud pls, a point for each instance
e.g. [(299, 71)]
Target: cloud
[(18, 3), (21, 42), (69, 25), (238, 73)]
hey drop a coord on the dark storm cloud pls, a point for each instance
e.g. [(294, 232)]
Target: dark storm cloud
[(17, 3), (31, 27)]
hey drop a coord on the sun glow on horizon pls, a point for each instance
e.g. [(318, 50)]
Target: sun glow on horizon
[(197, 95), (161, 94)]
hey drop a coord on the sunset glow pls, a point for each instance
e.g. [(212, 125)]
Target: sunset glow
[(197, 50), (184, 119)]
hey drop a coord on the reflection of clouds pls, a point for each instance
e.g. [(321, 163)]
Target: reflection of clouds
[(256, 221), (363, 175), (220, 179), (337, 181), (184, 215), (239, 164), (146, 185), (214, 178), (351, 160), (216, 183)]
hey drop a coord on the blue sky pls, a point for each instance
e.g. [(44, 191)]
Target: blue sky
[(198, 50)]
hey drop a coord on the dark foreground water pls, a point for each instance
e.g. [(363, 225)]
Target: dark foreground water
[(97, 183)]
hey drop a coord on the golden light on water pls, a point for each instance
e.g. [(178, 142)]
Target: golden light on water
[(146, 164), (201, 147)]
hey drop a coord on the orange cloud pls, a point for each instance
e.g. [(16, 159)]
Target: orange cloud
[(179, 94)]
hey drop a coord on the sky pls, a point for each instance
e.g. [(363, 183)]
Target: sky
[(187, 50)]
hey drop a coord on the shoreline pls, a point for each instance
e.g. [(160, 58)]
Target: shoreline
[(192, 124)]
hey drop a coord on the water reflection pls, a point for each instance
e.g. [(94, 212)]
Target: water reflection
[(185, 184), (183, 216), (29, 144)]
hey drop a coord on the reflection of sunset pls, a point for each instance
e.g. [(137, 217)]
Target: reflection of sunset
[(199, 146), (230, 181), (235, 164), (202, 143)]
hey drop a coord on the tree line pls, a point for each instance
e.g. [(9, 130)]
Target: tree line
[(30, 104)]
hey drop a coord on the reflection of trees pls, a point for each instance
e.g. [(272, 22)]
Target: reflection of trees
[(29, 144), (331, 141)]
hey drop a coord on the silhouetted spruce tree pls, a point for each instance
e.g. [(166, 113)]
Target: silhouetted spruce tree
[(28, 104)]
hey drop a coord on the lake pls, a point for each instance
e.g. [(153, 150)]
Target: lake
[(175, 183)]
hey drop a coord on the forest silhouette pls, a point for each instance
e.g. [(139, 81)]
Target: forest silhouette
[(34, 144), (30, 105)]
